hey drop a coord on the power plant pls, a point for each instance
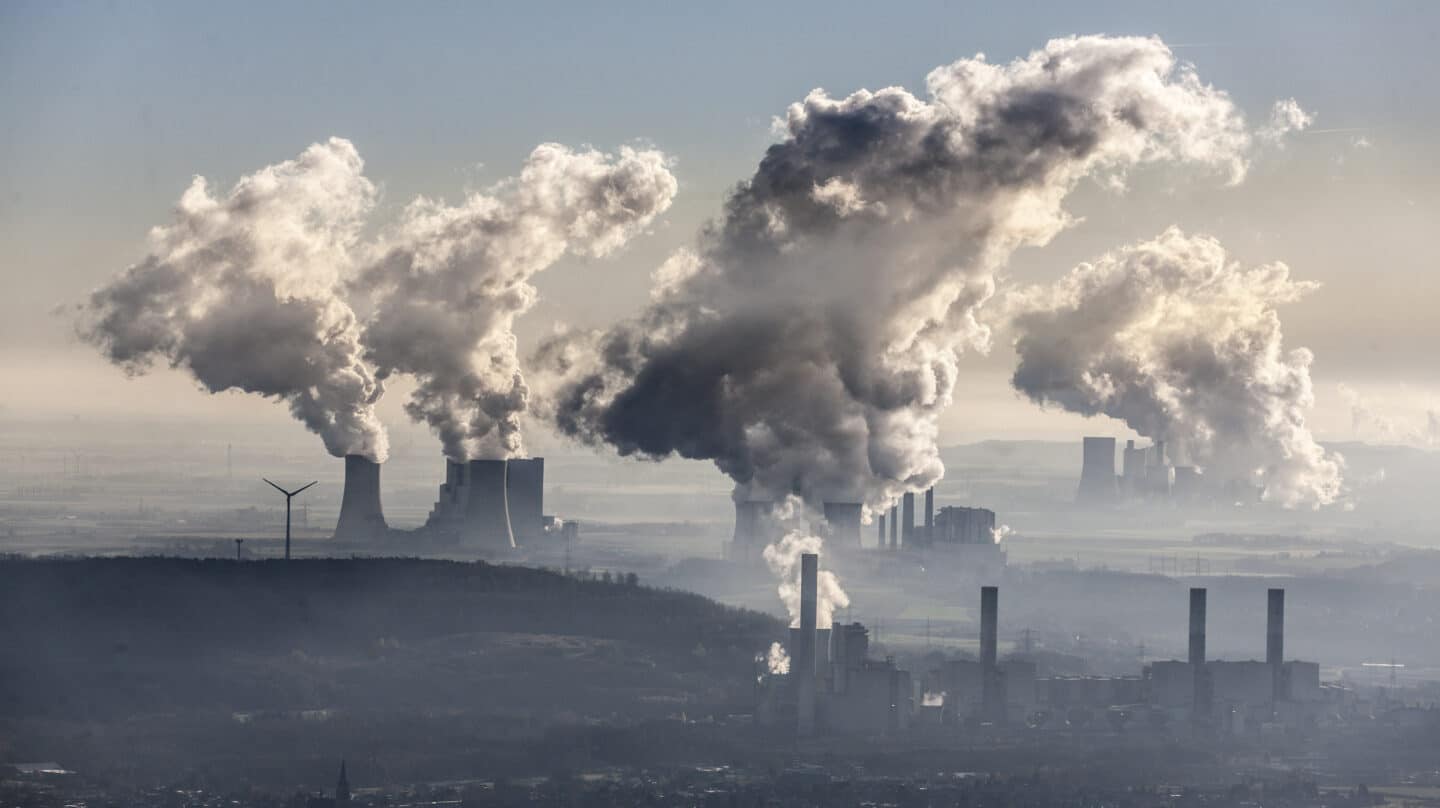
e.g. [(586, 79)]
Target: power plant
[(490, 505), (842, 523), (833, 687)]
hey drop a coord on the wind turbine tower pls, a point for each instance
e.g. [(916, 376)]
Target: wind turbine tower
[(289, 495)]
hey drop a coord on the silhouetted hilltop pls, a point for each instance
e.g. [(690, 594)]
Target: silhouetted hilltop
[(110, 637)]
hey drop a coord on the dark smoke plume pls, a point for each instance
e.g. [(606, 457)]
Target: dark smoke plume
[(452, 280), (243, 292), (809, 341), (1183, 345)]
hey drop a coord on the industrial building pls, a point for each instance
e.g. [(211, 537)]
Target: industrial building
[(833, 686), (491, 505)]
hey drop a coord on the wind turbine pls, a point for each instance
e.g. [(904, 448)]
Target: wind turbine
[(289, 495)]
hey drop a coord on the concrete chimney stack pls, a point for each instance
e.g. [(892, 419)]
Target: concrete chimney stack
[(802, 660), (894, 526), (907, 517), (361, 517), (989, 652), (880, 520), (1200, 703), (525, 496), (487, 514), (1275, 642), (1097, 473), (929, 514)]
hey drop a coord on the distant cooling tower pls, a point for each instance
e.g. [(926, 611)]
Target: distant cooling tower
[(752, 523), (842, 520), (361, 517), (487, 515), (525, 493), (1097, 475)]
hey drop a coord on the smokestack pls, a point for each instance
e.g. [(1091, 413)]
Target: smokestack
[(487, 514), (525, 496), (907, 526), (802, 665), (894, 526), (360, 514), (1275, 643), (843, 519), (1200, 705), (930, 514), (881, 522), (989, 638), (1097, 473)]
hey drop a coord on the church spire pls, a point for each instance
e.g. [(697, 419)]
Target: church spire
[(342, 787)]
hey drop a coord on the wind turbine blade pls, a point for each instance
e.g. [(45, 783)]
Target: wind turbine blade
[(277, 488), (303, 487)]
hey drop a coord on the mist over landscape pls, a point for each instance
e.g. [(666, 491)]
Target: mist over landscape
[(946, 406)]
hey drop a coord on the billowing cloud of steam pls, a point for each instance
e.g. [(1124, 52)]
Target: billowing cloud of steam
[(1370, 423), (783, 558), (1184, 345), (809, 341), (452, 279), (777, 660), (242, 290)]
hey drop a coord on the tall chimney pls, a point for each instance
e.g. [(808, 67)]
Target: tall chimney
[(989, 638), (1097, 472), (487, 514), (880, 520), (907, 524), (802, 665), (1200, 704), (929, 514), (894, 526), (361, 517), (1275, 643), (525, 497)]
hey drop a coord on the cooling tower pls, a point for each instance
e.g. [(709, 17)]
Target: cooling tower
[(752, 524), (361, 517), (1097, 474), (525, 494), (486, 522), (802, 665), (843, 523), (1275, 642)]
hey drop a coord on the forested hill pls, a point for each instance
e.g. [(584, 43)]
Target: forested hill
[(106, 637)]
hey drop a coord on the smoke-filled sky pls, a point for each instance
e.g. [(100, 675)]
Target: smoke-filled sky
[(112, 110)]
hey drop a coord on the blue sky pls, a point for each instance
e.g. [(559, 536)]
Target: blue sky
[(110, 108)]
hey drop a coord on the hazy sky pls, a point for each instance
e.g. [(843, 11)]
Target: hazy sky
[(110, 108)]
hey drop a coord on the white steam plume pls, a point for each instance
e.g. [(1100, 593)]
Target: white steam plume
[(243, 291), (777, 660), (1183, 345), (783, 558), (452, 279), (810, 340)]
